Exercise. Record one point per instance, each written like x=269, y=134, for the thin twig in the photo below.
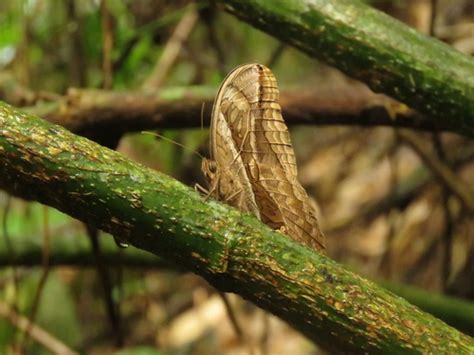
x=232, y=317
x=276, y=55
x=408, y=189
x=448, y=215
x=127, y=49
x=113, y=310
x=241, y=336
x=386, y=259
x=263, y=341
x=37, y=333
x=107, y=45
x=171, y=51
x=77, y=63
x=208, y=15
x=440, y=170
x=45, y=272
x=434, y=14
x=23, y=51
x=8, y=244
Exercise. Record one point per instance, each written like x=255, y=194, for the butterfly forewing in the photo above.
x=255, y=167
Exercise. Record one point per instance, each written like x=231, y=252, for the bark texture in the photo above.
x=366, y=44
x=235, y=252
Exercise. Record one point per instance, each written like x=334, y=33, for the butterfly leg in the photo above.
x=210, y=169
x=212, y=190
x=199, y=188
x=204, y=191
x=233, y=196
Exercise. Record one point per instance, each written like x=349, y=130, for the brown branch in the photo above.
x=87, y=112
x=171, y=51
x=16, y=94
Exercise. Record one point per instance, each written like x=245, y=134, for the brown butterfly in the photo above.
x=252, y=165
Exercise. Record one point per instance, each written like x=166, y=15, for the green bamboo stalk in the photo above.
x=366, y=44
x=235, y=252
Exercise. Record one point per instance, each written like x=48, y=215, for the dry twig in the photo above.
x=440, y=170
x=107, y=45
x=45, y=271
x=171, y=51
x=37, y=333
x=88, y=112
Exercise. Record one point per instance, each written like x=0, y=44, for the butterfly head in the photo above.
x=209, y=168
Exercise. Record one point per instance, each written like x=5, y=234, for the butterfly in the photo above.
x=252, y=165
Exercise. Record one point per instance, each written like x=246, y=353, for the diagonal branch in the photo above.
x=235, y=252
x=441, y=171
x=366, y=44
x=171, y=51
x=407, y=190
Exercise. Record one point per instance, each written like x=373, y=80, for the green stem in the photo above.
x=235, y=252
x=369, y=45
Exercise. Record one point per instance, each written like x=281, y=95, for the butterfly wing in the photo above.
x=252, y=148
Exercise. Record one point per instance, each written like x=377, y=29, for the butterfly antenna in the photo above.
x=202, y=115
x=174, y=142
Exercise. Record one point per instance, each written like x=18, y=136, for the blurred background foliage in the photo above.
x=384, y=214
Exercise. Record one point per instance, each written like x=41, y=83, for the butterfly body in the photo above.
x=252, y=165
